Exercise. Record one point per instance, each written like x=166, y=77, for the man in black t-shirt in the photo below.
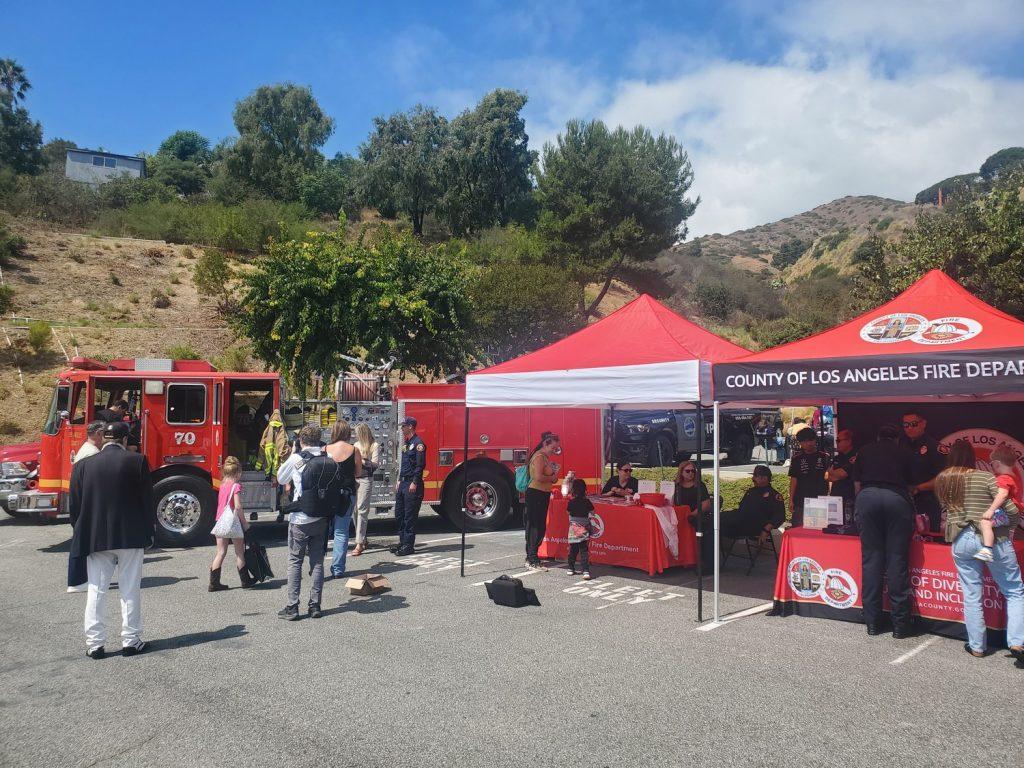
x=807, y=471
x=623, y=484
x=841, y=473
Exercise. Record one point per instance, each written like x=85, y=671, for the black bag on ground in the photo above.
x=257, y=562
x=321, y=486
x=505, y=590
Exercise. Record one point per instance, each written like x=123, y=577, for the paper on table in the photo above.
x=835, y=509
x=815, y=513
x=647, y=486
x=668, y=489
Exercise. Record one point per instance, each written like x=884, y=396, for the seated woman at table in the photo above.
x=761, y=509
x=691, y=492
x=623, y=485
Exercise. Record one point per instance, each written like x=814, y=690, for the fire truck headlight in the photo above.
x=14, y=469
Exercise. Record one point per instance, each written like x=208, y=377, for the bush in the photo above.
x=182, y=352
x=233, y=359
x=39, y=336
x=884, y=223
x=54, y=198
x=11, y=245
x=6, y=298
x=160, y=299
x=789, y=252
x=114, y=279
x=715, y=299
x=212, y=276
x=124, y=191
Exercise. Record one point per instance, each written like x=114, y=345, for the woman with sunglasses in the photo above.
x=543, y=473
x=623, y=484
x=689, y=491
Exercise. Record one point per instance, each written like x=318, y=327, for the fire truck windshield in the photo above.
x=57, y=405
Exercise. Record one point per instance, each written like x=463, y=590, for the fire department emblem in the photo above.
x=804, y=576
x=984, y=441
x=597, y=526
x=948, y=330
x=838, y=588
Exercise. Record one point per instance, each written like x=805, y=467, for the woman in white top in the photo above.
x=369, y=449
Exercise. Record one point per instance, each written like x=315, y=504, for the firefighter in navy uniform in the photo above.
x=761, y=509
x=409, y=496
x=841, y=473
x=925, y=464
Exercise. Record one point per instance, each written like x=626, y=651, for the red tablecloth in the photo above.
x=820, y=575
x=629, y=536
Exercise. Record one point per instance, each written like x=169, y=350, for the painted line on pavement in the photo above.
x=482, y=533
x=914, y=651
x=729, y=618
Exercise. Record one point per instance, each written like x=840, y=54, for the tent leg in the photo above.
x=465, y=491
x=700, y=517
x=611, y=444
x=714, y=506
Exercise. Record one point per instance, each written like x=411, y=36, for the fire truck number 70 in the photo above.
x=188, y=438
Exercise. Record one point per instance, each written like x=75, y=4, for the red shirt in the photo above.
x=1009, y=484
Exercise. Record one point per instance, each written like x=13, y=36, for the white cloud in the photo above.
x=771, y=141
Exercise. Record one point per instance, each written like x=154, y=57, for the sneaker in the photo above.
x=571, y=571
x=96, y=653
x=289, y=613
x=587, y=576
x=79, y=588
x=314, y=611
x=984, y=554
x=134, y=650
x=539, y=565
x=393, y=549
x=405, y=551
x=253, y=517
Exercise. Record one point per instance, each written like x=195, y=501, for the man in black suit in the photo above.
x=111, y=507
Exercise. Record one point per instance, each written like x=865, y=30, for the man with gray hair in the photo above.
x=93, y=441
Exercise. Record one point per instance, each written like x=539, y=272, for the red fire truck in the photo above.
x=187, y=417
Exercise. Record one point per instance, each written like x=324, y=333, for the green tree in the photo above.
x=308, y=302
x=212, y=276
x=187, y=146
x=402, y=161
x=790, y=252
x=715, y=299
x=962, y=187
x=979, y=243
x=1003, y=161
x=20, y=139
x=332, y=187
x=184, y=176
x=280, y=131
x=55, y=154
x=485, y=166
x=14, y=85
x=124, y=191
x=612, y=198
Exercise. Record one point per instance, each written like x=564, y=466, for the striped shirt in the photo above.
x=979, y=491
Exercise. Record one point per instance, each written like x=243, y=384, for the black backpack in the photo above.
x=321, y=486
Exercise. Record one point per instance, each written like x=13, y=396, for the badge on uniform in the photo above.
x=923, y=450
x=419, y=446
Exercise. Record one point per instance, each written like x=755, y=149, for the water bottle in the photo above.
x=567, y=483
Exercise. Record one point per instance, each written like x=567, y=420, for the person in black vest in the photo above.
x=925, y=464
x=761, y=509
x=409, y=497
x=316, y=499
x=885, y=516
x=113, y=517
x=807, y=471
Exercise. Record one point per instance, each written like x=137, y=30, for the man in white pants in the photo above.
x=111, y=507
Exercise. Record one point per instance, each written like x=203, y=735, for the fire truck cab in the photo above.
x=184, y=415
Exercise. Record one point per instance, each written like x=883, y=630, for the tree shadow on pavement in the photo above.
x=370, y=604
x=230, y=632
x=164, y=581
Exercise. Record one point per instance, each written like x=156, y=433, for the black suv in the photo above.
x=662, y=438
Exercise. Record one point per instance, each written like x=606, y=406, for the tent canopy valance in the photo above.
x=933, y=340
x=641, y=355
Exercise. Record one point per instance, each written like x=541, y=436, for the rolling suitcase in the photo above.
x=505, y=590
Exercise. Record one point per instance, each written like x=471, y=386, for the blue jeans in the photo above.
x=1006, y=574
x=342, y=523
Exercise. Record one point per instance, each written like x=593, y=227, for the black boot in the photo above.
x=247, y=580
x=215, y=585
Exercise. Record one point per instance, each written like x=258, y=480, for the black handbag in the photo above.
x=257, y=562
x=510, y=592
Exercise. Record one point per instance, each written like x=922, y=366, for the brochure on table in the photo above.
x=823, y=511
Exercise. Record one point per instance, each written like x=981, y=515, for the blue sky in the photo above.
x=782, y=105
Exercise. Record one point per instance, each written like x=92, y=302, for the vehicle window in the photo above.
x=58, y=404
x=186, y=403
x=77, y=408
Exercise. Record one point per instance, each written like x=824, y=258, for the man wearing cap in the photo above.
x=409, y=496
x=925, y=464
x=111, y=509
x=761, y=509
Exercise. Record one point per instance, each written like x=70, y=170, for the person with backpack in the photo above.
x=316, y=499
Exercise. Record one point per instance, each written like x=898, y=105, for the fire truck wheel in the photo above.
x=184, y=510
x=489, y=499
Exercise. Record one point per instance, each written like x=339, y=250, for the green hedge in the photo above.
x=731, y=490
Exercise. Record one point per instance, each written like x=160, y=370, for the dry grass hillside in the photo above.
x=105, y=297
x=833, y=231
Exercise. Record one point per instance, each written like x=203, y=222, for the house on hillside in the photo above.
x=95, y=167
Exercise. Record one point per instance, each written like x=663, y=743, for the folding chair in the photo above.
x=754, y=547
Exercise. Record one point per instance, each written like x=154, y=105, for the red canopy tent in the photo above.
x=933, y=340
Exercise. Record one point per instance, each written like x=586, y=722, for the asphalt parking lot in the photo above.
x=614, y=672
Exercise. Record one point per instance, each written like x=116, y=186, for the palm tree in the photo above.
x=13, y=83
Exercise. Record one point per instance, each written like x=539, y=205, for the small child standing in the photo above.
x=1002, y=459
x=229, y=503
x=579, y=528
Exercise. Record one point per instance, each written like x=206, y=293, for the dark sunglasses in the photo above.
x=911, y=424
x=627, y=469
x=688, y=471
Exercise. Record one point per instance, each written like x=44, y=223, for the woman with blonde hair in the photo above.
x=369, y=452
x=968, y=494
x=350, y=466
x=229, y=502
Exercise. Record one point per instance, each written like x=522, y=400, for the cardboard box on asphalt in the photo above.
x=368, y=584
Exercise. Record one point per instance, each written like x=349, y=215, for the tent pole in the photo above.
x=700, y=515
x=465, y=489
x=611, y=446
x=714, y=505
